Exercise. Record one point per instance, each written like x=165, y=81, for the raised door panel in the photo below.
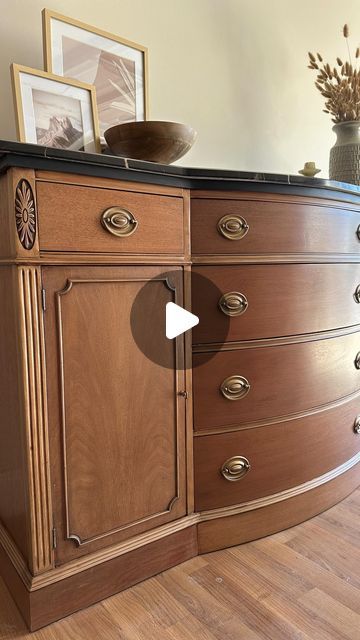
x=248, y=385
x=117, y=421
x=273, y=300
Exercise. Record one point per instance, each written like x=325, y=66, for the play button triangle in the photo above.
x=178, y=320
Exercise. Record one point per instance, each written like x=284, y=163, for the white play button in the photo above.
x=178, y=320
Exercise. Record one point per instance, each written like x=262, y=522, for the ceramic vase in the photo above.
x=345, y=154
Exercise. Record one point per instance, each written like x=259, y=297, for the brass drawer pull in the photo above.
x=235, y=387
x=235, y=468
x=357, y=361
x=233, y=303
x=120, y=222
x=233, y=227
x=357, y=294
x=357, y=425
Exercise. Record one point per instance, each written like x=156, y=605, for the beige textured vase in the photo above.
x=345, y=154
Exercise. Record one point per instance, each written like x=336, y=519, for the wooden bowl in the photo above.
x=151, y=140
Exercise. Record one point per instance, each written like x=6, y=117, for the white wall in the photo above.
x=234, y=69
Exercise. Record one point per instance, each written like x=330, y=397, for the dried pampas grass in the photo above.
x=340, y=87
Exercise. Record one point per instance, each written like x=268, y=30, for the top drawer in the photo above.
x=248, y=227
x=91, y=219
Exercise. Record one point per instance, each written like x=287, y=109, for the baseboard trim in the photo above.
x=87, y=562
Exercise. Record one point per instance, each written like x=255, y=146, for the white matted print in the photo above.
x=116, y=67
x=54, y=112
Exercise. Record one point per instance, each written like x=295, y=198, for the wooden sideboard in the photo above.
x=113, y=467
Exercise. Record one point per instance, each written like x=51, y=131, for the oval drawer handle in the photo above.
x=357, y=361
x=235, y=468
x=233, y=303
x=358, y=232
x=232, y=227
x=235, y=387
x=357, y=294
x=357, y=425
x=118, y=221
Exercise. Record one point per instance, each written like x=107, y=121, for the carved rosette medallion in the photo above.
x=25, y=215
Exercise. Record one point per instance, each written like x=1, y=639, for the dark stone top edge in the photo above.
x=103, y=165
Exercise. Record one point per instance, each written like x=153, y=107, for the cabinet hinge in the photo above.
x=54, y=538
x=43, y=299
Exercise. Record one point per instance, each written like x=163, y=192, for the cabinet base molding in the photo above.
x=105, y=555
x=45, y=598
x=55, y=601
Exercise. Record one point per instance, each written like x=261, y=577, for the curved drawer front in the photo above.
x=76, y=218
x=274, y=300
x=280, y=456
x=222, y=226
x=282, y=380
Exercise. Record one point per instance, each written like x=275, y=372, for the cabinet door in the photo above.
x=117, y=419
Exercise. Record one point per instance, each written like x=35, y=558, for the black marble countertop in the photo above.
x=102, y=165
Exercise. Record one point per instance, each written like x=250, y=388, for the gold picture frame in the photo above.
x=97, y=55
x=26, y=122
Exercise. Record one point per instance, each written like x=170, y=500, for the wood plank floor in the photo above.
x=301, y=584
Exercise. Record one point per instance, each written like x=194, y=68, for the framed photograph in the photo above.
x=117, y=67
x=55, y=112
